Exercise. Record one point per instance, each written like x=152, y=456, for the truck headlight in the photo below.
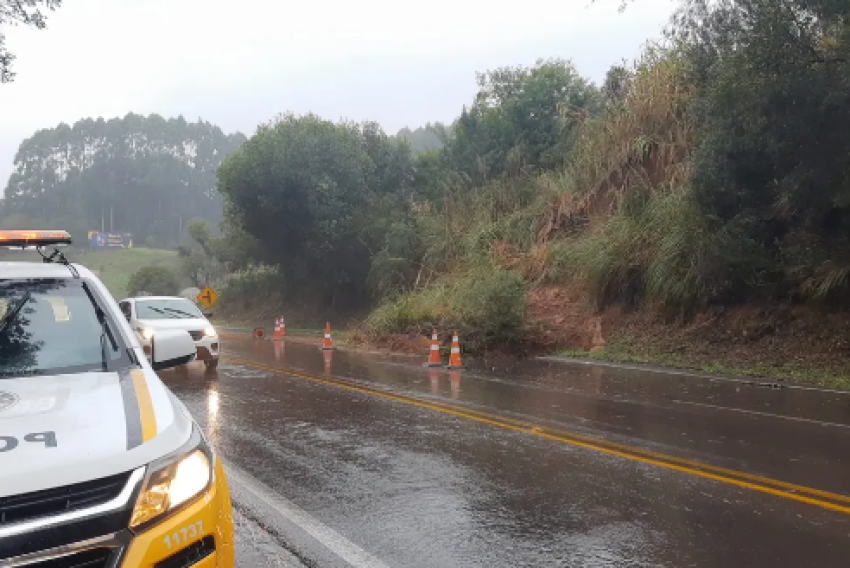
x=210, y=331
x=174, y=481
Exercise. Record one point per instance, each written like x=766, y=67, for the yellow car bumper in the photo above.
x=184, y=533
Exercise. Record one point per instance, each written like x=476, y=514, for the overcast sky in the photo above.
x=239, y=63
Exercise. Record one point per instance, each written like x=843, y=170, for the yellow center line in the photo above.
x=762, y=484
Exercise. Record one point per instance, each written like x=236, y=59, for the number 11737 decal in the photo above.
x=184, y=535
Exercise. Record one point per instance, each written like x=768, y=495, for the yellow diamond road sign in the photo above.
x=207, y=297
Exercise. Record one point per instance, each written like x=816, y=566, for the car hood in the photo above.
x=186, y=323
x=64, y=429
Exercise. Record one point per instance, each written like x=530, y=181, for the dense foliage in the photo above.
x=424, y=138
x=321, y=199
x=713, y=170
x=772, y=167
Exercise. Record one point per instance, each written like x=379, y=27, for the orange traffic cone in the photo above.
x=454, y=359
x=434, y=356
x=282, y=326
x=278, y=330
x=328, y=342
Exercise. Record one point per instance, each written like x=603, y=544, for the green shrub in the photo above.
x=155, y=280
x=486, y=306
x=660, y=249
x=250, y=287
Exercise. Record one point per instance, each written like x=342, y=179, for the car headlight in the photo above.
x=174, y=482
x=145, y=332
x=210, y=331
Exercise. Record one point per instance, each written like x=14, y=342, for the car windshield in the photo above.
x=50, y=326
x=167, y=309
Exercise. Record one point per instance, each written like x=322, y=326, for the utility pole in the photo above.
x=111, y=227
x=102, y=220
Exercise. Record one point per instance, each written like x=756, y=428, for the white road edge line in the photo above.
x=328, y=537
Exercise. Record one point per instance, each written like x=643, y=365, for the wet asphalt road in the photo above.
x=364, y=461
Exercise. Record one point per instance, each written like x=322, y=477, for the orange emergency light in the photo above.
x=34, y=238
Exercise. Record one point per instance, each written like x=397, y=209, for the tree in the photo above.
x=206, y=260
x=147, y=175
x=197, y=259
x=424, y=138
x=155, y=280
x=616, y=86
x=771, y=165
x=318, y=197
x=513, y=125
x=20, y=12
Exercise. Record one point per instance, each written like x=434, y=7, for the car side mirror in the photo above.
x=209, y=316
x=171, y=348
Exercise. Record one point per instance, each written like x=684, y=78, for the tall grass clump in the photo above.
x=485, y=305
x=252, y=287
x=626, y=222
x=497, y=222
x=640, y=143
x=661, y=250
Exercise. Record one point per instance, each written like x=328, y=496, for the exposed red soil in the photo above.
x=745, y=337
x=560, y=317
x=801, y=337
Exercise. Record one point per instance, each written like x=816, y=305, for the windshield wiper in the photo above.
x=181, y=312
x=7, y=321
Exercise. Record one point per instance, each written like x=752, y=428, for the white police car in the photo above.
x=100, y=464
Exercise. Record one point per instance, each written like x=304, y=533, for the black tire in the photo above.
x=211, y=364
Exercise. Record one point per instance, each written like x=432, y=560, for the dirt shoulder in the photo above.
x=800, y=345
x=793, y=344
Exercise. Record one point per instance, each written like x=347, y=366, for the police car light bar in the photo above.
x=34, y=238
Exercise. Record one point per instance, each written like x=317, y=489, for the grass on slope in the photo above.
x=116, y=266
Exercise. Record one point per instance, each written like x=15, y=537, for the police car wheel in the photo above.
x=211, y=363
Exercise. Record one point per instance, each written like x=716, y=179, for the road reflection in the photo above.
x=454, y=378
x=328, y=356
x=421, y=489
x=280, y=352
x=434, y=377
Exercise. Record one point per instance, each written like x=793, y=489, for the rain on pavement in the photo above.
x=351, y=459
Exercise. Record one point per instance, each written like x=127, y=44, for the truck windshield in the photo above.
x=51, y=326
x=166, y=309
